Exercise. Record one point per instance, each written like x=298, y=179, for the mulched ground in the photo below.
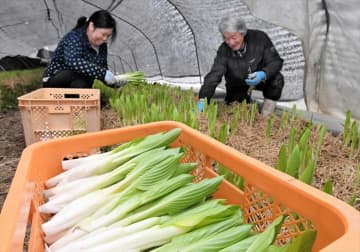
x=333, y=164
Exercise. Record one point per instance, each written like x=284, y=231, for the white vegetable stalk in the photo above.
x=53, y=238
x=140, y=240
x=96, y=220
x=75, y=211
x=117, y=158
x=73, y=163
x=84, y=170
x=138, y=165
x=84, y=185
x=57, y=203
x=206, y=213
x=105, y=234
x=89, y=203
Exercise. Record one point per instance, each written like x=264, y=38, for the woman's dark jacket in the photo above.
x=75, y=53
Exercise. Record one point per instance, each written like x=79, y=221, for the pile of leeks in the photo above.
x=140, y=197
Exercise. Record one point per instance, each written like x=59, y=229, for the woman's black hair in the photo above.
x=100, y=19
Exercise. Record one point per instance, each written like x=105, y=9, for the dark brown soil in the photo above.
x=333, y=164
x=12, y=143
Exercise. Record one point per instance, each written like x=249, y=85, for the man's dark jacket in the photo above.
x=260, y=54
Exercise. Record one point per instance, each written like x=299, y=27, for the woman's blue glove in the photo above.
x=255, y=78
x=200, y=105
x=109, y=77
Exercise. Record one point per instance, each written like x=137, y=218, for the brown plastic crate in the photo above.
x=267, y=194
x=49, y=113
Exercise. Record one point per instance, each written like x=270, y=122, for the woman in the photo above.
x=81, y=56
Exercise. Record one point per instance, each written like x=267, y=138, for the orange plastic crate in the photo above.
x=267, y=193
x=48, y=113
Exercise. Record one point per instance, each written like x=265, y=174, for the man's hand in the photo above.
x=255, y=78
x=200, y=105
x=109, y=77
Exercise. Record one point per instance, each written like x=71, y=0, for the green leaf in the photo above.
x=282, y=159
x=291, y=139
x=308, y=156
x=308, y=173
x=242, y=245
x=176, y=201
x=275, y=248
x=354, y=138
x=269, y=125
x=293, y=163
x=328, y=187
x=304, y=139
x=158, y=173
x=212, y=116
x=184, y=168
x=219, y=240
x=179, y=242
x=293, y=113
x=168, y=186
x=302, y=243
x=235, y=120
x=209, y=212
x=267, y=237
x=284, y=119
x=223, y=131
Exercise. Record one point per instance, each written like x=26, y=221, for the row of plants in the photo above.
x=142, y=103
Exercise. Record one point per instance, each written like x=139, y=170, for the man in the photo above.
x=248, y=60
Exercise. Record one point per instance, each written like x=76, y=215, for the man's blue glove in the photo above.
x=255, y=78
x=109, y=77
x=200, y=105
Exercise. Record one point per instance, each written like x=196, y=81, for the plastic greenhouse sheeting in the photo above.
x=177, y=40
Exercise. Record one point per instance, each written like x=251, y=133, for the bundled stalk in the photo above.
x=133, y=78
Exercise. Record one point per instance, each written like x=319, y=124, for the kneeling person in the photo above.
x=248, y=60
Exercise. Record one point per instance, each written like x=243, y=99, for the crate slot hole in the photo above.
x=72, y=96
